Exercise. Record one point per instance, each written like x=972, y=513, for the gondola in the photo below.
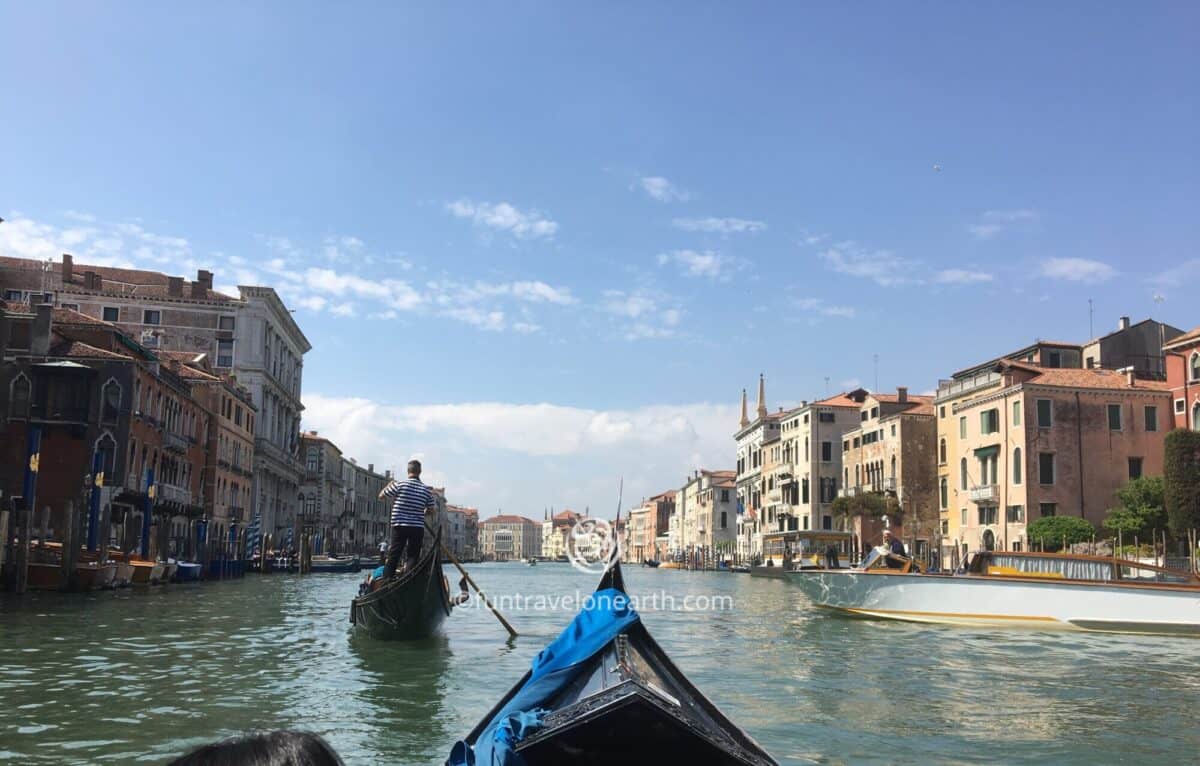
x=605, y=692
x=409, y=606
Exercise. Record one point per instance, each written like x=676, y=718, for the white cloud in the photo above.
x=995, y=221
x=540, y=292
x=477, y=448
x=961, y=277
x=643, y=314
x=340, y=248
x=661, y=189
x=342, y=310
x=818, y=306
x=1077, y=270
x=708, y=263
x=1177, y=276
x=719, y=225
x=504, y=217
x=880, y=266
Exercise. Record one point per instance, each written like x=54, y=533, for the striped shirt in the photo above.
x=409, y=499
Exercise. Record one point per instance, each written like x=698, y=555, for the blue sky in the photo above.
x=545, y=245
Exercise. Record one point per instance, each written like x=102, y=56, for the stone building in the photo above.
x=707, y=510
x=749, y=438
x=509, y=538
x=892, y=452
x=323, y=491
x=460, y=530
x=1051, y=442
x=102, y=410
x=1182, y=360
x=554, y=530
x=252, y=336
x=370, y=517
x=797, y=517
x=1139, y=346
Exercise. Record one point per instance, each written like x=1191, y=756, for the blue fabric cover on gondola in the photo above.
x=605, y=615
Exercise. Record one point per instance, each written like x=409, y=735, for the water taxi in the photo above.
x=1043, y=590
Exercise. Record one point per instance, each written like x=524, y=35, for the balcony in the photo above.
x=775, y=496
x=169, y=493
x=987, y=494
x=889, y=485
x=175, y=442
x=236, y=512
x=849, y=491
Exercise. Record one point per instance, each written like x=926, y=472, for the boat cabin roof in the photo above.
x=1075, y=566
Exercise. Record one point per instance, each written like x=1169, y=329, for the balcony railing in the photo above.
x=849, y=491
x=775, y=496
x=169, y=493
x=988, y=493
x=175, y=442
x=889, y=484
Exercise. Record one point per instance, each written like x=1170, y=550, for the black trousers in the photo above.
x=404, y=539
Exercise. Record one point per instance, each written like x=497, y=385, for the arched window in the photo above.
x=110, y=401
x=945, y=494
x=18, y=397
x=893, y=466
x=942, y=452
x=1017, y=466
x=1196, y=366
x=962, y=474
x=106, y=448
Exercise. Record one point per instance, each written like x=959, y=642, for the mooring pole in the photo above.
x=147, y=509
x=94, y=500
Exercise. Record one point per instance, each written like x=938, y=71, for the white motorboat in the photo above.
x=1043, y=590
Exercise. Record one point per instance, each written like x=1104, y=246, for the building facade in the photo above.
x=1182, y=361
x=1052, y=442
x=892, y=452
x=749, y=438
x=509, y=537
x=323, y=493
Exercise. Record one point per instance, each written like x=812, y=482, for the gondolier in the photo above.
x=410, y=500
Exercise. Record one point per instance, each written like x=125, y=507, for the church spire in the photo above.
x=762, y=398
x=745, y=421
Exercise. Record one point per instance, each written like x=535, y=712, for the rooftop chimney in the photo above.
x=1123, y=324
x=39, y=345
x=902, y=394
x=68, y=266
x=97, y=282
x=175, y=287
x=1131, y=376
x=205, y=278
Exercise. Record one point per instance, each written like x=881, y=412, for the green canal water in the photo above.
x=141, y=676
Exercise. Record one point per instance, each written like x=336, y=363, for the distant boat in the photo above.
x=1042, y=590
x=334, y=564
x=604, y=691
x=531, y=561
x=187, y=571
x=652, y=563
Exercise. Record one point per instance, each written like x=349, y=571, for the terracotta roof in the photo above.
x=1098, y=379
x=187, y=357
x=923, y=408
x=74, y=349
x=192, y=373
x=144, y=282
x=1188, y=337
x=508, y=519
x=838, y=400
x=895, y=398
x=566, y=515
x=724, y=482
x=723, y=474
x=71, y=316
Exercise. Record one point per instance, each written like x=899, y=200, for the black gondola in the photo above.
x=409, y=606
x=627, y=703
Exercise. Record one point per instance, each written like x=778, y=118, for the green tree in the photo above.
x=862, y=504
x=1181, y=480
x=1141, y=511
x=1052, y=530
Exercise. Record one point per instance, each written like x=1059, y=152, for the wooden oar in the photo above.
x=511, y=631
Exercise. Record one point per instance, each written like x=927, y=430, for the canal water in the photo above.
x=141, y=676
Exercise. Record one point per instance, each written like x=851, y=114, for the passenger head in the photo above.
x=277, y=748
x=887, y=534
x=414, y=468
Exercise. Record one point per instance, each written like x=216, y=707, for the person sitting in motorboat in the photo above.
x=895, y=548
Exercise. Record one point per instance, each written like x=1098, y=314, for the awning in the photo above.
x=983, y=453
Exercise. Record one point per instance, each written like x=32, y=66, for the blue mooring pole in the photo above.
x=94, y=500
x=146, y=510
x=33, y=457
